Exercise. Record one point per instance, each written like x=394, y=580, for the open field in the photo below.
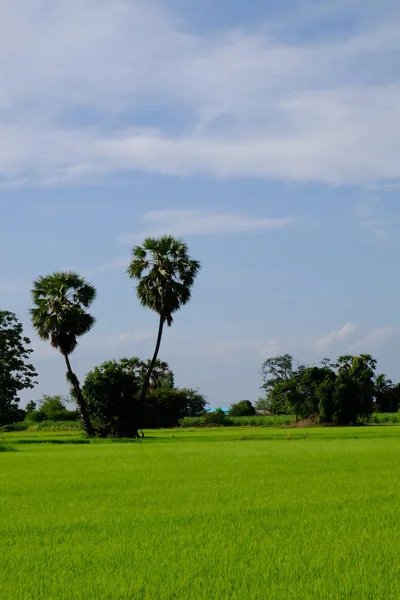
x=206, y=514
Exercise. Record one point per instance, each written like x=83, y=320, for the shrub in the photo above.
x=244, y=408
x=217, y=417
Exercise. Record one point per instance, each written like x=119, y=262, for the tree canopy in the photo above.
x=16, y=372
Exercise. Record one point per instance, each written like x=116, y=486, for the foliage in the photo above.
x=354, y=389
x=244, y=408
x=51, y=408
x=216, y=417
x=387, y=394
x=340, y=393
x=166, y=407
x=112, y=390
x=60, y=315
x=111, y=393
x=16, y=373
x=165, y=275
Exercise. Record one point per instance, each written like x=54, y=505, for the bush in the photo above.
x=217, y=417
x=244, y=408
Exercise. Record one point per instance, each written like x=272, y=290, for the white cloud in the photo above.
x=374, y=339
x=335, y=337
x=265, y=103
x=200, y=222
x=131, y=337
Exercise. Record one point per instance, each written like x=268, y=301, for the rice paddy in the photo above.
x=226, y=513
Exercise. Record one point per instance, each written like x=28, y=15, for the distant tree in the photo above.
x=277, y=369
x=166, y=407
x=30, y=407
x=111, y=393
x=165, y=275
x=354, y=389
x=262, y=405
x=16, y=372
x=54, y=408
x=216, y=417
x=386, y=394
x=60, y=315
x=244, y=408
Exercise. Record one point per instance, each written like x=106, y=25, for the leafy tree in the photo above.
x=165, y=275
x=354, y=389
x=166, y=407
x=195, y=403
x=16, y=373
x=30, y=407
x=60, y=315
x=262, y=404
x=112, y=390
x=386, y=394
x=244, y=408
x=54, y=409
x=276, y=369
x=111, y=393
x=217, y=417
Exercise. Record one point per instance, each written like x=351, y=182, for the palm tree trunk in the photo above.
x=153, y=361
x=72, y=378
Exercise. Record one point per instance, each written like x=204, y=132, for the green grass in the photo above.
x=228, y=513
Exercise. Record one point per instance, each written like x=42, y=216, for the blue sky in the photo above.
x=266, y=134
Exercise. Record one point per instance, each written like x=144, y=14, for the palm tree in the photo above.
x=59, y=315
x=165, y=275
x=383, y=392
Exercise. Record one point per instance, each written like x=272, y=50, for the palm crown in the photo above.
x=59, y=315
x=165, y=273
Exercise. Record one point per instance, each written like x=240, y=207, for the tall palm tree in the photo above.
x=165, y=275
x=59, y=315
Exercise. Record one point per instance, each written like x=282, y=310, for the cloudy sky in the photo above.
x=265, y=133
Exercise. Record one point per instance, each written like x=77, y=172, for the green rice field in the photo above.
x=224, y=513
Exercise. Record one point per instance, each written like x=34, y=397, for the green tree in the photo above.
x=60, y=315
x=243, y=408
x=165, y=275
x=276, y=369
x=111, y=393
x=54, y=408
x=353, y=394
x=166, y=407
x=16, y=372
x=30, y=407
x=385, y=394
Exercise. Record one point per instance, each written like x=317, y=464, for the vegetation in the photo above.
x=300, y=518
x=16, y=372
x=49, y=408
x=111, y=393
x=244, y=408
x=339, y=393
x=59, y=315
x=165, y=275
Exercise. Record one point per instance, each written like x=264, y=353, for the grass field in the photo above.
x=204, y=514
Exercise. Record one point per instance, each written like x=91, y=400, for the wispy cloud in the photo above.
x=201, y=222
x=335, y=337
x=373, y=339
x=263, y=103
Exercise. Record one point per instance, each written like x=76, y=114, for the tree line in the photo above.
x=339, y=392
x=122, y=397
